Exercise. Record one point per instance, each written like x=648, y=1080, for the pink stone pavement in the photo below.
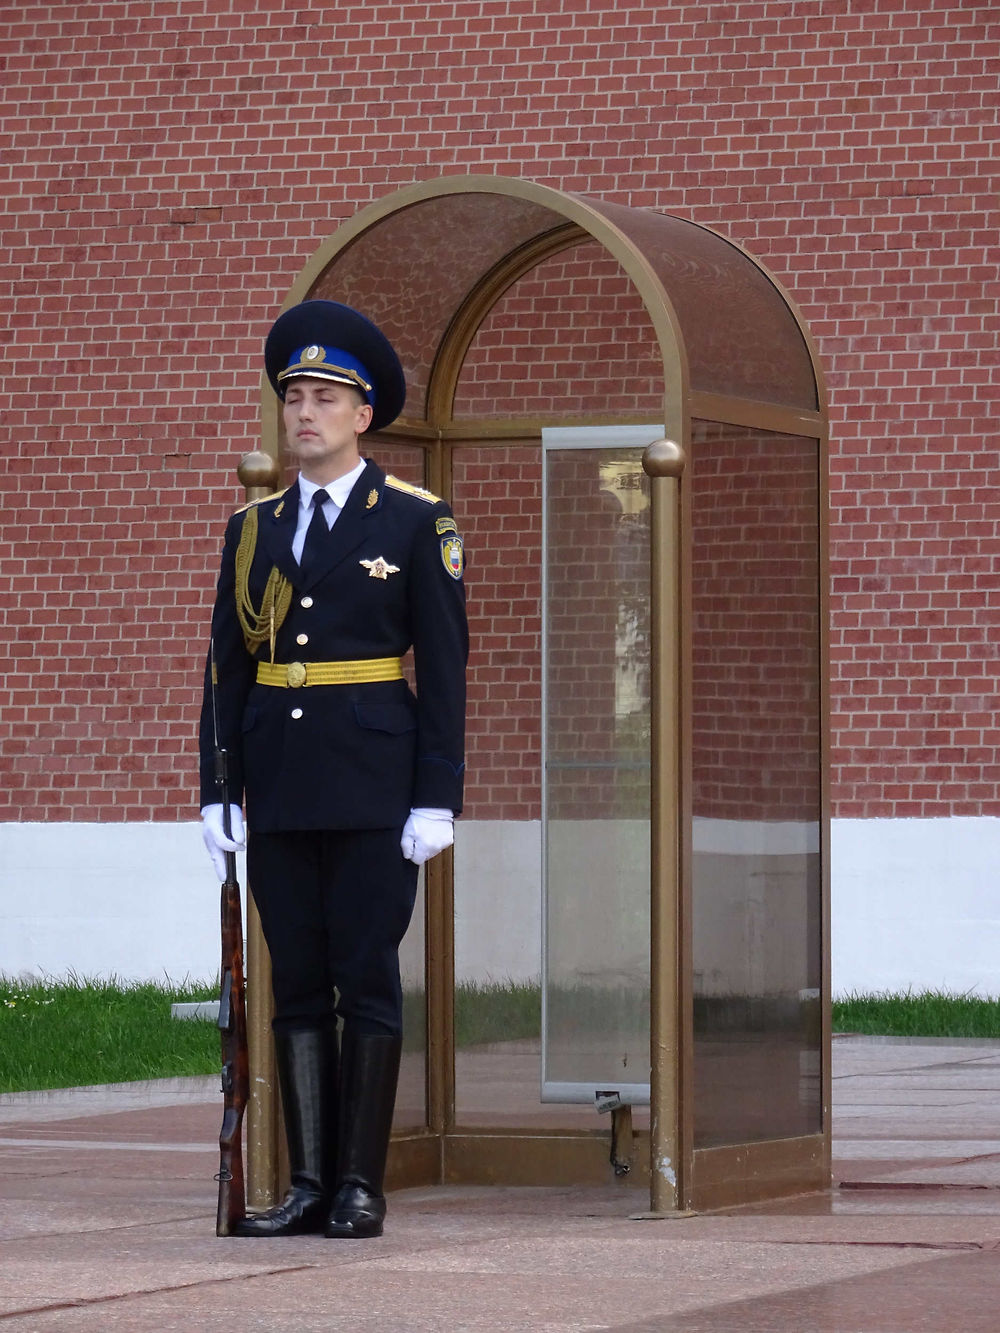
x=107, y=1209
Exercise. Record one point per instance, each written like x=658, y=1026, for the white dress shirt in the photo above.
x=338, y=491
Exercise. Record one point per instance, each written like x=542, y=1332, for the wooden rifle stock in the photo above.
x=233, y=1027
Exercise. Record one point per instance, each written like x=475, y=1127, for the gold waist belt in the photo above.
x=291, y=675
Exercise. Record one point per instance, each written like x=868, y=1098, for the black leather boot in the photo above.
x=369, y=1073
x=307, y=1075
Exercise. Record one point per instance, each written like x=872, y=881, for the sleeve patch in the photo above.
x=453, y=556
x=442, y=525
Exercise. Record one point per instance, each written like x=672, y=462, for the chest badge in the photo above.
x=379, y=568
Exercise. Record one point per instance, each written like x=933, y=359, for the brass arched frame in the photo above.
x=679, y=1176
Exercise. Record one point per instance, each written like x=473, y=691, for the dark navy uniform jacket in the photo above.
x=345, y=756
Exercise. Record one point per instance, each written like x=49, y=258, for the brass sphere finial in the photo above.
x=258, y=473
x=664, y=458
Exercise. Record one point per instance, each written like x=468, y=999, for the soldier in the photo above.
x=350, y=780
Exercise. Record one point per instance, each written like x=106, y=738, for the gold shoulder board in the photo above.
x=428, y=496
x=263, y=499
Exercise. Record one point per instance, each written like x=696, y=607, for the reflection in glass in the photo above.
x=497, y=503
x=411, y=1097
x=407, y=462
x=756, y=888
x=596, y=765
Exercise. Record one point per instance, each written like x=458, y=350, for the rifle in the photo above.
x=232, y=1017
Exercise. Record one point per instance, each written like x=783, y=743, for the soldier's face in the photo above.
x=322, y=423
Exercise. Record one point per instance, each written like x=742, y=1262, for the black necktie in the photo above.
x=317, y=534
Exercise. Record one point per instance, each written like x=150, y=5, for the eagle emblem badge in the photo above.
x=453, y=556
x=379, y=568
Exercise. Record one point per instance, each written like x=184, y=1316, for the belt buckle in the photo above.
x=295, y=674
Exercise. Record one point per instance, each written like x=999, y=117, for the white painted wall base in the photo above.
x=915, y=902
x=498, y=900
x=137, y=901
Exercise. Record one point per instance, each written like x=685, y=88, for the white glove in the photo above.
x=215, y=835
x=426, y=833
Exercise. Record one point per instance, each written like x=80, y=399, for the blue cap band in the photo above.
x=329, y=363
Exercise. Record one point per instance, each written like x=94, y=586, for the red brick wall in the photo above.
x=497, y=496
x=755, y=625
x=169, y=167
x=572, y=337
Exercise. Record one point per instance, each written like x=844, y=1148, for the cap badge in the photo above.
x=379, y=568
x=314, y=353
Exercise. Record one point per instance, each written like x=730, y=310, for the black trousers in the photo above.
x=334, y=906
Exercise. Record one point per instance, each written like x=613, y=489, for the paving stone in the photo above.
x=107, y=1207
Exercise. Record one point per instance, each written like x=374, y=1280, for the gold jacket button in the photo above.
x=302, y=638
x=306, y=602
x=296, y=712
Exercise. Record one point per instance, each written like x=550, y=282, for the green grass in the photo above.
x=62, y=1034
x=58, y=1034
x=922, y=1014
x=496, y=1011
x=74, y=1033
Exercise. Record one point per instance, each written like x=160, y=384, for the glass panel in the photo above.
x=756, y=784
x=411, y=1097
x=596, y=764
x=411, y=271
x=740, y=335
x=498, y=948
x=407, y=462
